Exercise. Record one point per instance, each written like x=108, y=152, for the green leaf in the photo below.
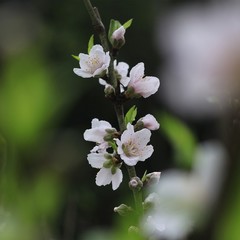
x=130, y=115
x=128, y=23
x=90, y=43
x=76, y=57
x=181, y=138
x=144, y=177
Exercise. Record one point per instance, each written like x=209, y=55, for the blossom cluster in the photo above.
x=113, y=147
x=96, y=63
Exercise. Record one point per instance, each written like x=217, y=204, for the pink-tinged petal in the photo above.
x=96, y=160
x=142, y=137
x=95, y=48
x=100, y=71
x=94, y=135
x=97, y=132
x=82, y=73
x=137, y=72
x=154, y=82
x=119, y=149
x=147, y=86
x=100, y=123
x=128, y=133
x=146, y=153
x=119, y=33
x=84, y=61
x=104, y=177
x=130, y=161
x=117, y=179
x=122, y=69
x=125, y=81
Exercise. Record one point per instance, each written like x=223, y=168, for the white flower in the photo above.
x=93, y=65
x=150, y=122
x=132, y=147
x=119, y=33
x=143, y=85
x=105, y=175
x=98, y=131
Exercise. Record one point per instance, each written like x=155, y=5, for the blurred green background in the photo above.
x=47, y=188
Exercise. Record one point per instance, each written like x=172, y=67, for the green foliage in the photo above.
x=128, y=23
x=27, y=206
x=228, y=227
x=90, y=43
x=131, y=115
x=76, y=57
x=27, y=97
x=180, y=137
x=144, y=177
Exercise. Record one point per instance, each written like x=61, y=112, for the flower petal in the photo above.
x=96, y=160
x=104, y=177
x=146, y=153
x=117, y=179
x=130, y=161
x=137, y=72
x=82, y=73
x=142, y=137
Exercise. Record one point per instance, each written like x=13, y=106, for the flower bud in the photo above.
x=123, y=210
x=118, y=39
x=150, y=122
x=135, y=184
x=152, y=178
x=111, y=133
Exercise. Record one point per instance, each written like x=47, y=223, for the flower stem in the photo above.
x=99, y=28
x=137, y=194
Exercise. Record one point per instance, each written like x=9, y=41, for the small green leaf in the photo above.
x=128, y=23
x=90, y=43
x=144, y=177
x=76, y=57
x=130, y=115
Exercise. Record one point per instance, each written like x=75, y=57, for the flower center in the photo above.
x=130, y=149
x=94, y=62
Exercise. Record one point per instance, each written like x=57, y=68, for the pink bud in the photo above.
x=150, y=122
x=119, y=33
